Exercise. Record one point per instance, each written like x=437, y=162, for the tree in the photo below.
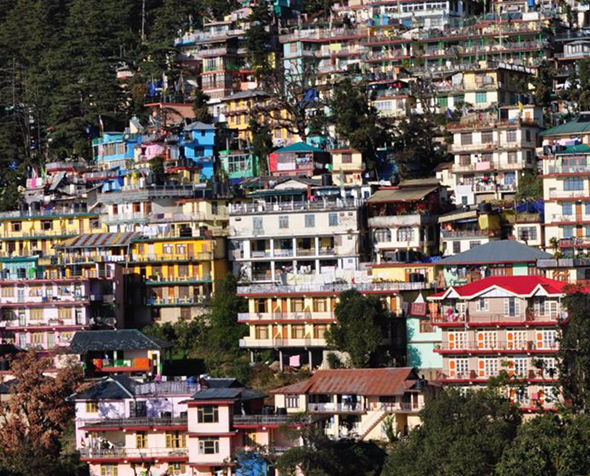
x=530, y=187
x=261, y=144
x=319, y=455
x=548, y=445
x=359, y=327
x=574, y=352
x=461, y=434
x=158, y=170
x=258, y=39
x=35, y=416
x=416, y=148
x=357, y=121
x=201, y=107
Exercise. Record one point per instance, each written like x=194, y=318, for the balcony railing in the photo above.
x=268, y=419
x=116, y=453
x=568, y=194
x=262, y=207
x=137, y=421
x=286, y=316
x=507, y=346
x=176, y=301
x=335, y=408
x=177, y=279
x=203, y=256
x=330, y=288
x=138, y=364
x=568, y=169
x=521, y=318
x=467, y=233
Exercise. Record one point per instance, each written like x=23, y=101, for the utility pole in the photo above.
x=143, y=20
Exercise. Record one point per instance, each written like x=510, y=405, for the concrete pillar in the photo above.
x=272, y=247
x=317, y=245
x=294, y=246
x=281, y=359
x=310, y=360
x=251, y=356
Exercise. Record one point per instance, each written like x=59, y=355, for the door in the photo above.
x=50, y=340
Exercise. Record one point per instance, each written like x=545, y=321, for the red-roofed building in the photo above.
x=500, y=323
x=355, y=402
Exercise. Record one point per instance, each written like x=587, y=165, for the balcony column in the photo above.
x=317, y=245
x=281, y=359
x=294, y=247
x=272, y=248
x=310, y=359
x=272, y=271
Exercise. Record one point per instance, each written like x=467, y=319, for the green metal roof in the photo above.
x=299, y=147
x=575, y=149
x=573, y=127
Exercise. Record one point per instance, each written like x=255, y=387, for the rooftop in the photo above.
x=580, y=124
x=298, y=147
x=116, y=387
x=100, y=240
x=497, y=252
x=401, y=194
x=123, y=339
x=368, y=382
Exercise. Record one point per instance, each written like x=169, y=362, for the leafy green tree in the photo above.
x=319, y=455
x=462, y=434
x=261, y=144
x=359, y=329
x=259, y=39
x=574, y=352
x=201, y=107
x=357, y=121
x=158, y=170
x=548, y=445
x=530, y=187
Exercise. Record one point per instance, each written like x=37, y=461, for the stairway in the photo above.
x=376, y=418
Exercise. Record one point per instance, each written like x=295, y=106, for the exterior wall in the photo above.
x=421, y=345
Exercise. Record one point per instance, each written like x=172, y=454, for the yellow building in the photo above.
x=37, y=233
x=176, y=276
x=347, y=167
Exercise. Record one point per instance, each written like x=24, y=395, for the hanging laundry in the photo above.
x=295, y=361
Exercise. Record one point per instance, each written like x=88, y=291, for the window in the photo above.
x=37, y=338
x=333, y=219
x=520, y=366
x=283, y=222
x=405, y=233
x=567, y=209
x=382, y=235
x=208, y=446
x=509, y=178
x=548, y=339
x=568, y=232
x=442, y=101
x=347, y=158
x=587, y=208
x=175, y=440
x=297, y=305
x=320, y=305
x=91, y=407
x=456, y=247
x=516, y=339
x=573, y=184
x=141, y=439
x=482, y=305
x=298, y=331
x=511, y=136
x=7, y=291
x=177, y=468
x=481, y=97
x=319, y=331
x=466, y=138
x=490, y=367
x=527, y=135
x=512, y=157
x=464, y=160
x=36, y=314
x=459, y=100
x=292, y=401
x=208, y=414
x=261, y=332
x=487, y=340
x=426, y=326
x=459, y=368
x=46, y=225
x=474, y=244
x=109, y=470
x=309, y=221
x=95, y=223
x=64, y=313
x=17, y=226
x=168, y=249
x=511, y=306
x=487, y=137
x=180, y=249
x=527, y=233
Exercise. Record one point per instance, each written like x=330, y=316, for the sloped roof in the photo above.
x=199, y=126
x=578, y=125
x=368, y=382
x=518, y=285
x=116, y=387
x=401, y=194
x=100, y=240
x=298, y=147
x=502, y=251
x=123, y=339
x=250, y=93
x=421, y=182
x=227, y=394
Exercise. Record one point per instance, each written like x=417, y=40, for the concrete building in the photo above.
x=502, y=323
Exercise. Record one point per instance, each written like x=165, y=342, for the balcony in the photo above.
x=276, y=343
x=141, y=364
x=176, y=301
x=285, y=316
x=568, y=169
x=137, y=422
x=401, y=220
x=565, y=218
x=330, y=288
x=525, y=319
x=568, y=194
x=123, y=218
x=163, y=280
x=133, y=453
x=319, y=205
x=203, y=256
x=499, y=347
x=457, y=234
x=335, y=408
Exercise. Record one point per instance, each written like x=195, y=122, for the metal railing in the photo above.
x=105, y=453
x=476, y=346
x=335, y=288
x=171, y=301
x=261, y=207
x=286, y=316
x=98, y=423
x=336, y=408
x=177, y=279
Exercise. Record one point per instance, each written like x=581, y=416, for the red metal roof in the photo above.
x=368, y=382
x=518, y=285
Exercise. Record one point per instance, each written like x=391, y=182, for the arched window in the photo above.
x=405, y=233
x=382, y=235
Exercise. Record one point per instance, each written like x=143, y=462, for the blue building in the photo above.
x=197, y=143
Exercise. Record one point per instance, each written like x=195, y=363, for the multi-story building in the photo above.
x=186, y=427
x=294, y=228
x=403, y=219
x=566, y=172
x=239, y=165
x=356, y=402
x=466, y=228
x=292, y=319
x=491, y=155
x=117, y=149
x=299, y=159
x=347, y=167
x=502, y=323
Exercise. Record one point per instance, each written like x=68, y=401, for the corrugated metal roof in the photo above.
x=503, y=251
x=368, y=382
x=100, y=240
x=298, y=147
x=401, y=194
x=573, y=127
x=116, y=387
x=123, y=339
x=227, y=394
